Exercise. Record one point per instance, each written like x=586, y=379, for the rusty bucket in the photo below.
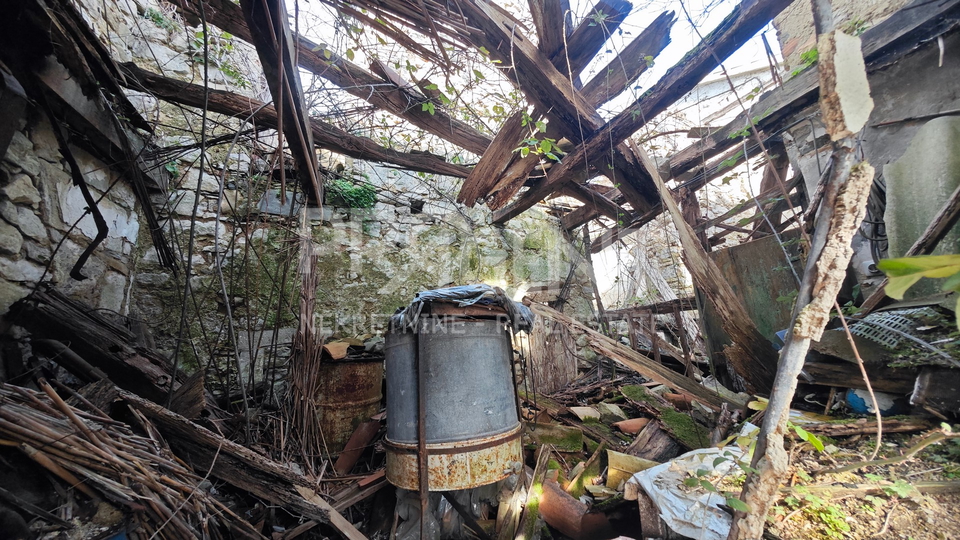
x=349, y=394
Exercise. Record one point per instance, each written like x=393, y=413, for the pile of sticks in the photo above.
x=106, y=461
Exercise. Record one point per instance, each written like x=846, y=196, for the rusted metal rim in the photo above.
x=460, y=447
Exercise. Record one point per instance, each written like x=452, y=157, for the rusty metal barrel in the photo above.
x=348, y=394
x=472, y=428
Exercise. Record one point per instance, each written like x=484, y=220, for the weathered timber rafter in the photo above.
x=603, y=87
x=267, y=20
x=887, y=38
x=500, y=169
x=325, y=135
x=550, y=91
x=353, y=79
x=746, y=20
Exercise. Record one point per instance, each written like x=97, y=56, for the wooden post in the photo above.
x=601, y=315
x=632, y=332
x=654, y=338
x=682, y=334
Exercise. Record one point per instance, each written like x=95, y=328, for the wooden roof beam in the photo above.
x=267, y=20
x=909, y=26
x=590, y=198
x=632, y=61
x=325, y=136
x=746, y=20
x=500, y=167
x=351, y=78
x=549, y=91
x=553, y=23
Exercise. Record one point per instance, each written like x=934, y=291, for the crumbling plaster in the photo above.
x=795, y=24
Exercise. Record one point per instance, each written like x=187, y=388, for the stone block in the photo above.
x=21, y=190
x=152, y=279
x=45, y=143
x=31, y=225
x=20, y=153
x=9, y=294
x=36, y=252
x=113, y=288
x=10, y=239
x=23, y=270
x=8, y=211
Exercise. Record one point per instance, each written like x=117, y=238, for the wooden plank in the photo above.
x=847, y=375
x=267, y=20
x=660, y=308
x=751, y=354
x=903, y=30
x=632, y=61
x=590, y=35
x=325, y=135
x=552, y=360
x=498, y=156
x=570, y=516
x=351, y=78
x=552, y=20
x=746, y=20
x=631, y=359
x=600, y=204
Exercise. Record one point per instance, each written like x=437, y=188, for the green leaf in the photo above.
x=478, y=75
x=717, y=461
x=428, y=106
x=546, y=146
x=708, y=486
x=525, y=151
x=906, y=271
x=809, y=437
x=431, y=87
x=737, y=504
x=691, y=482
x=350, y=54
x=327, y=54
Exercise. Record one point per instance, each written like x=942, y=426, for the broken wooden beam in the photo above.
x=323, y=62
x=660, y=308
x=631, y=359
x=267, y=20
x=898, y=33
x=325, y=135
x=572, y=116
x=861, y=426
x=631, y=62
x=746, y=20
x=751, y=354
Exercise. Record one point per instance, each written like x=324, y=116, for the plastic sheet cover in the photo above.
x=520, y=316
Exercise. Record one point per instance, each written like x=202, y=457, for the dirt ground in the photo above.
x=899, y=511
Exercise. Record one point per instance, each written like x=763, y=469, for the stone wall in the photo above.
x=44, y=226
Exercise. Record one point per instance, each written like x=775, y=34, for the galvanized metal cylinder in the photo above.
x=472, y=429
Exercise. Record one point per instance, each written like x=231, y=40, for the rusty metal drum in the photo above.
x=472, y=429
x=349, y=394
